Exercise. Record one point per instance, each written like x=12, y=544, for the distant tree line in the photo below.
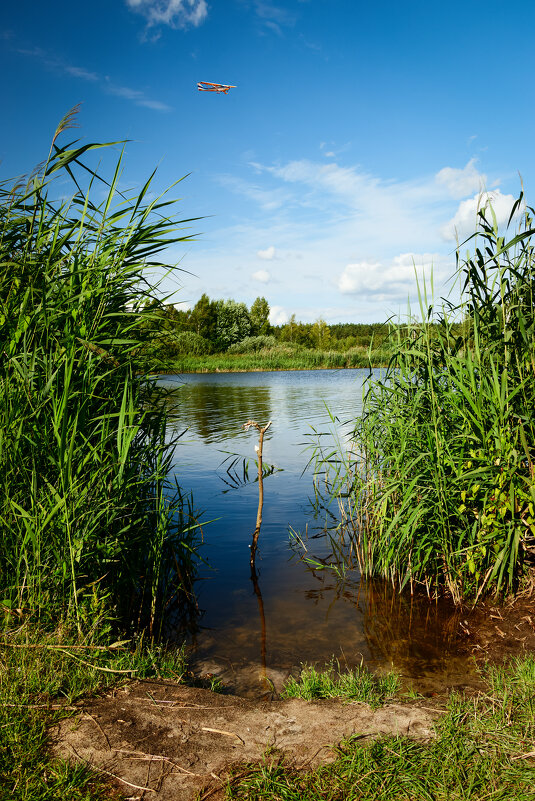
x=217, y=326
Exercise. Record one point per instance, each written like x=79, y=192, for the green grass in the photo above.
x=483, y=751
x=95, y=540
x=356, y=684
x=277, y=358
x=41, y=676
x=439, y=485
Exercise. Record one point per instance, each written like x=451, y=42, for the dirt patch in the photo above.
x=169, y=741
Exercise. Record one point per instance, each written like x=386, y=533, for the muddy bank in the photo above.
x=160, y=739
x=166, y=740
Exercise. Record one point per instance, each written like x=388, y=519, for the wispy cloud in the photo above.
x=330, y=151
x=57, y=64
x=80, y=72
x=345, y=240
x=267, y=199
x=173, y=13
x=273, y=17
x=136, y=96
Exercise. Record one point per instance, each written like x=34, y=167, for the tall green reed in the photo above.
x=438, y=484
x=90, y=525
x=445, y=484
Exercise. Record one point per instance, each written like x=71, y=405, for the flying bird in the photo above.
x=220, y=88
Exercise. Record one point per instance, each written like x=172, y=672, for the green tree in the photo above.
x=187, y=342
x=298, y=333
x=174, y=319
x=320, y=334
x=233, y=323
x=203, y=318
x=288, y=330
x=259, y=317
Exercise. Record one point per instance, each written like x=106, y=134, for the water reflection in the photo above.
x=215, y=413
x=262, y=615
x=290, y=612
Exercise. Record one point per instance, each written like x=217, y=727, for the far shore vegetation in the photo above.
x=227, y=336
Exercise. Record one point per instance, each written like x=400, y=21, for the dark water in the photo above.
x=295, y=613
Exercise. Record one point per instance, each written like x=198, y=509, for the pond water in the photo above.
x=294, y=613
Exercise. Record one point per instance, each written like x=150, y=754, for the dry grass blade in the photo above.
x=226, y=733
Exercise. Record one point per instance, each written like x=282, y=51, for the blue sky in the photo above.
x=354, y=147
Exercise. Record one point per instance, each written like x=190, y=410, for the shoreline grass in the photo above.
x=273, y=360
x=95, y=540
x=353, y=684
x=483, y=751
x=439, y=483
x=43, y=677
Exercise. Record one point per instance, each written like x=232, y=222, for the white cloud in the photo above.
x=353, y=278
x=344, y=181
x=278, y=315
x=80, y=72
x=105, y=84
x=395, y=279
x=267, y=254
x=461, y=182
x=360, y=191
x=136, y=96
x=262, y=275
x=346, y=238
x=274, y=17
x=464, y=222
x=175, y=13
x=267, y=199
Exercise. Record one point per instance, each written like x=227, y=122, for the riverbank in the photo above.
x=100, y=723
x=93, y=721
x=273, y=360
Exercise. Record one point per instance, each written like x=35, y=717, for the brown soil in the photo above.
x=169, y=741
x=163, y=740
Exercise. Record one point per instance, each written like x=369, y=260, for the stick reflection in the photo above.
x=257, y=592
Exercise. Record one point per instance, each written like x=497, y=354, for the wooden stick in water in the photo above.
x=258, y=448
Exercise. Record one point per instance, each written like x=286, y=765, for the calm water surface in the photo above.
x=296, y=613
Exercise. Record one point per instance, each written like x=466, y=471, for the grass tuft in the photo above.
x=92, y=529
x=438, y=485
x=355, y=684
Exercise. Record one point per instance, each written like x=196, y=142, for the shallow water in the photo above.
x=295, y=613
